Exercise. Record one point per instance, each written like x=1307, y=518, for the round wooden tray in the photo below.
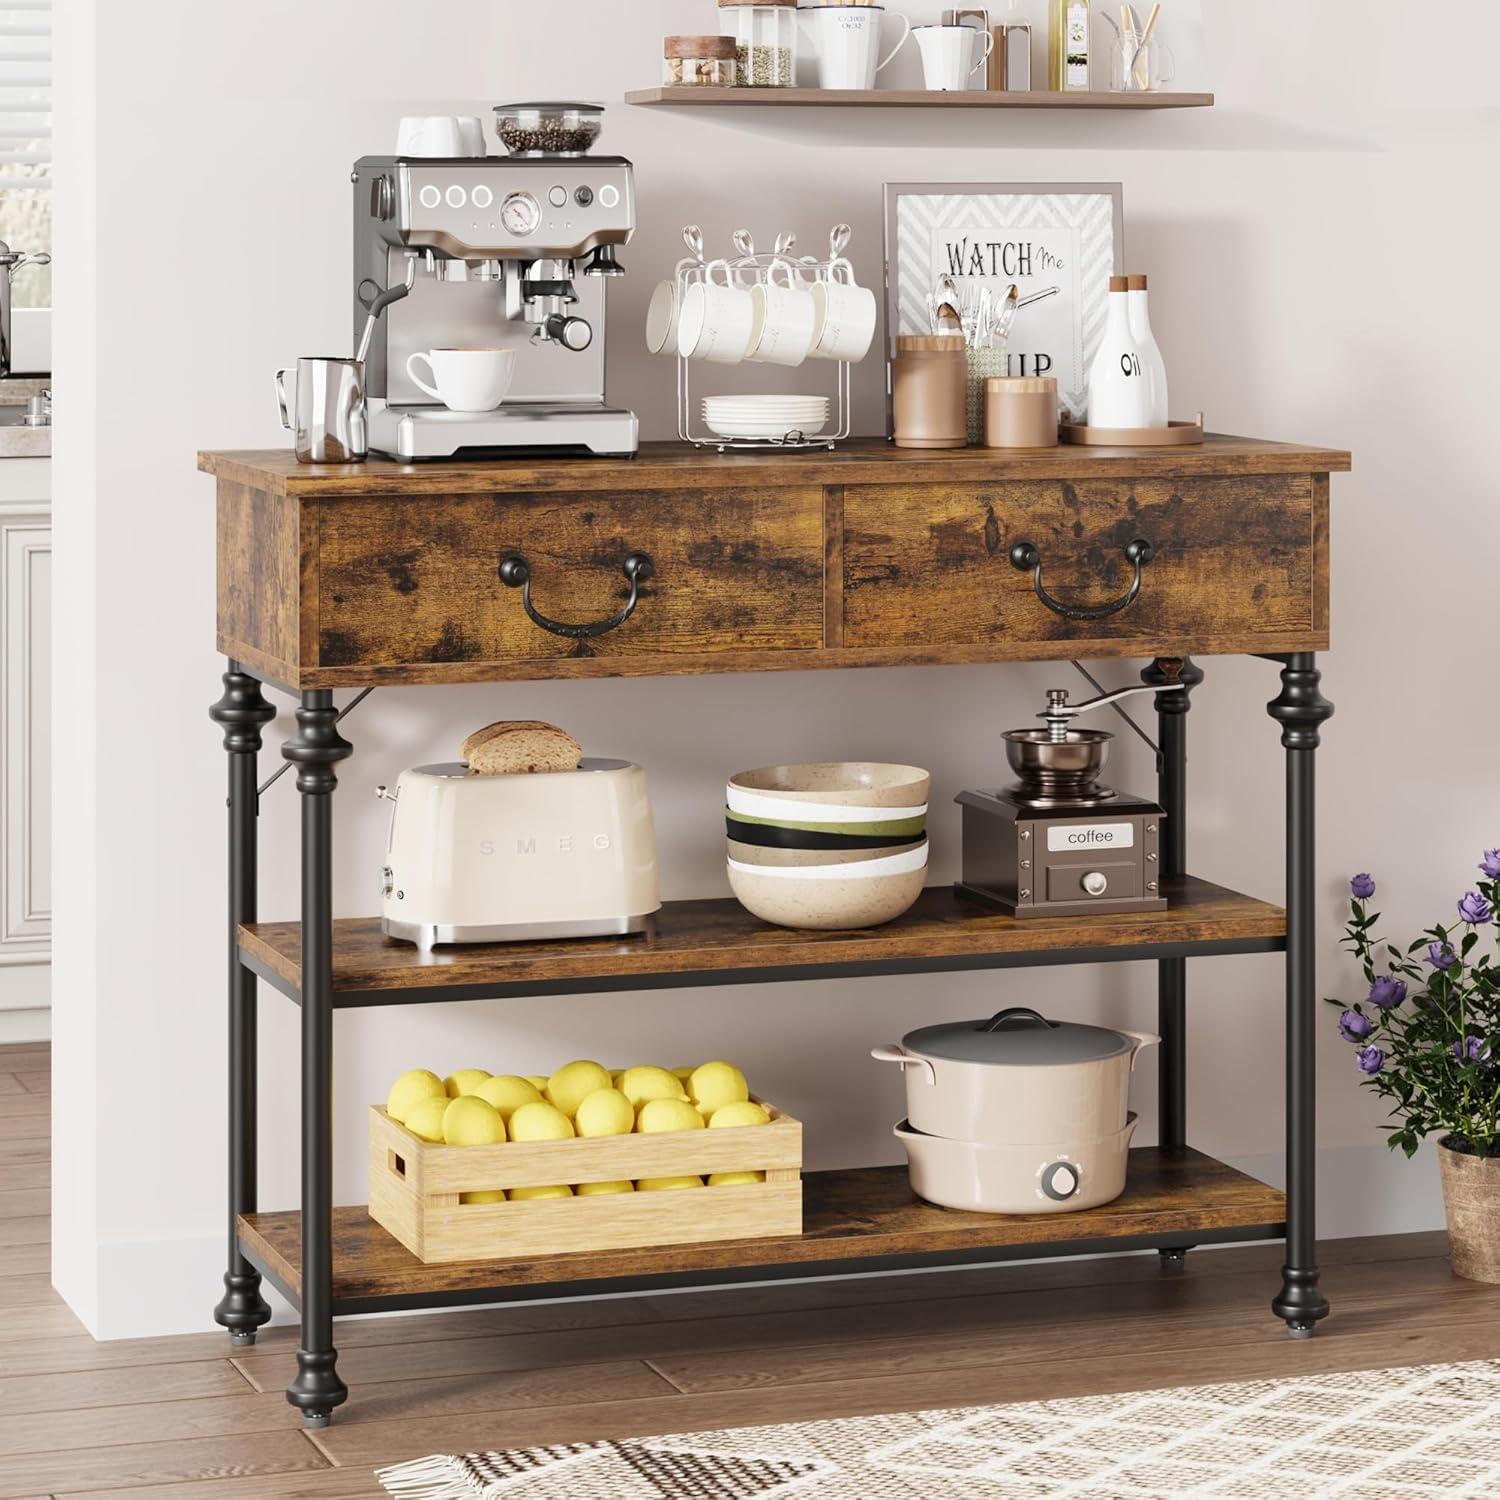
x=1174, y=434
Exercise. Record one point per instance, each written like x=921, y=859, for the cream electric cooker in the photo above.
x=518, y=858
x=1017, y=1114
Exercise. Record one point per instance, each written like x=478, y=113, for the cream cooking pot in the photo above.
x=1017, y=1078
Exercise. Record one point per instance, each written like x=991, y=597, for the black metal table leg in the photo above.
x=1171, y=973
x=315, y=750
x=1301, y=710
x=240, y=712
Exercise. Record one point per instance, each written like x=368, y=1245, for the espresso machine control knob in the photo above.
x=1096, y=882
x=572, y=333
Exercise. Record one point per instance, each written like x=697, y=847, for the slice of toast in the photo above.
x=517, y=746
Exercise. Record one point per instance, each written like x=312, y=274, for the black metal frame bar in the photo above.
x=1301, y=710
x=316, y=749
x=810, y=1270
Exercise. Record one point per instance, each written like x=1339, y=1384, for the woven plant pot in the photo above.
x=1471, y=1196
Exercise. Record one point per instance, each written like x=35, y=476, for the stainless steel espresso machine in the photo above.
x=501, y=252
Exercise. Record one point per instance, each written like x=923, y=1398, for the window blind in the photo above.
x=26, y=94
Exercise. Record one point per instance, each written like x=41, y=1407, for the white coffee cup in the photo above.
x=846, y=41
x=714, y=321
x=465, y=379
x=843, y=321
x=948, y=60
x=440, y=135
x=661, y=317
x=782, y=328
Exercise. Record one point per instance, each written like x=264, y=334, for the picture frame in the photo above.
x=1038, y=235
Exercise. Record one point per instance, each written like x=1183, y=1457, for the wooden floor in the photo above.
x=177, y=1418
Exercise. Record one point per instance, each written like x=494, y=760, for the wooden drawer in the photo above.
x=411, y=581
x=1239, y=564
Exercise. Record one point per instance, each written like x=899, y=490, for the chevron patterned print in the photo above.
x=1036, y=240
x=1428, y=1433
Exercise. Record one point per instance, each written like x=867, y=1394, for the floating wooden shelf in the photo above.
x=869, y=1216
x=719, y=942
x=914, y=98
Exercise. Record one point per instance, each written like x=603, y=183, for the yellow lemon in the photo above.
x=734, y=1179
x=598, y=1189
x=733, y=1115
x=548, y=1190
x=483, y=1195
x=605, y=1112
x=642, y=1084
x=666, y=1184
x=538, y=1081
x=508, y=1093
x=667, y=1114
x=469, y=1121
x=615, y=1075
x=682, y=1073
x=572, y=1084
x=411, y=1089
x=540, y=1121
x=426, y=1119
x=716, y=1084
x=465, y=1081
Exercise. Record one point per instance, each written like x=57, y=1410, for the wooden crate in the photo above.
x=415, y=1187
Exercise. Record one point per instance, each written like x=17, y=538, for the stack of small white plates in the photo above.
x=765, y=417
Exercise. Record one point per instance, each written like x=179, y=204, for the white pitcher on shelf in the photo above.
x=846, y=42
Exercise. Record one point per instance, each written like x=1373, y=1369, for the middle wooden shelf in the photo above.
x=719, y=942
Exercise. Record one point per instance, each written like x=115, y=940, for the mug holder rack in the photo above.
x=748, y=270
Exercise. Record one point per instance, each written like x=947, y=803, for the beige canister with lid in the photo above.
x=1020, y=411
x=929, y=391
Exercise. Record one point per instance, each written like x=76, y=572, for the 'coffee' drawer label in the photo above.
x=1063, y=836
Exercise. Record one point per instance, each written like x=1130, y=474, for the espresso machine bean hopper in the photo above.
x=511, y=252
x=1058, y=842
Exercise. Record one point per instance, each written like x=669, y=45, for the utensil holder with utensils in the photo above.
x=769, y=309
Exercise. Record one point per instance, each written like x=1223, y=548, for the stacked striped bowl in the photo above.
x=830, y=845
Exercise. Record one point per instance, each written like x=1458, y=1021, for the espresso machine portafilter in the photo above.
x=511, y=252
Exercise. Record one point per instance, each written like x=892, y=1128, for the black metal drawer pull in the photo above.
x=515, y=573
x=1025, y=557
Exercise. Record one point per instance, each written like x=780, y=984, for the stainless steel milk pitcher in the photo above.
x=325, y=409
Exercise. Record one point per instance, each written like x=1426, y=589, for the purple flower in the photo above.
x=1472, y=907
x=1471, y=1049
x=1370, y=1059
x=1441, y=955
x=1362, y=887
x=1387, y=992
x=1490, y=864
x=1354, y=1027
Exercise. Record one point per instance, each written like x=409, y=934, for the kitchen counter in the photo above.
x=16, y=439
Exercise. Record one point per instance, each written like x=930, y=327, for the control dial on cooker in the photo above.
x=1059, y=1181
x=521, y=213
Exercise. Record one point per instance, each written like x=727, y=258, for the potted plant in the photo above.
x=1427, y=1038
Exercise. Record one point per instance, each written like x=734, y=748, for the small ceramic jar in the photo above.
x=1020, y=411
x=929, y=391
x=699, y=62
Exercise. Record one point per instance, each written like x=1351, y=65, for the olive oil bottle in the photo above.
x=1070, y=45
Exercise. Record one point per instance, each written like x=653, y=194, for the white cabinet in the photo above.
x=25, y=748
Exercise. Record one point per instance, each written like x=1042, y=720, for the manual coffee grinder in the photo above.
x=1058, y=842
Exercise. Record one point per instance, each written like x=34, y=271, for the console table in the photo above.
x=684, y=561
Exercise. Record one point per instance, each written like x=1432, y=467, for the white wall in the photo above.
x=1318, y=246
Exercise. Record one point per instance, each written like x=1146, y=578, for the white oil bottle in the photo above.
x=1155, y=366
x=1119, y=388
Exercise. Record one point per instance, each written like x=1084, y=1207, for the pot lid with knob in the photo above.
x=1018, y=1037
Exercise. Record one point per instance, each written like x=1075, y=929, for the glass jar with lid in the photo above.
x=765, y=34
x=698, y=61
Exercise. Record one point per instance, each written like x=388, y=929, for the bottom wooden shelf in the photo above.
x=860, y=1220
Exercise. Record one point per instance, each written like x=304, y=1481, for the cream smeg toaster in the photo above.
x=515, y=858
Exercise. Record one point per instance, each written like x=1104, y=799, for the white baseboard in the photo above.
x=153, y=1287
x=25, y=1025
